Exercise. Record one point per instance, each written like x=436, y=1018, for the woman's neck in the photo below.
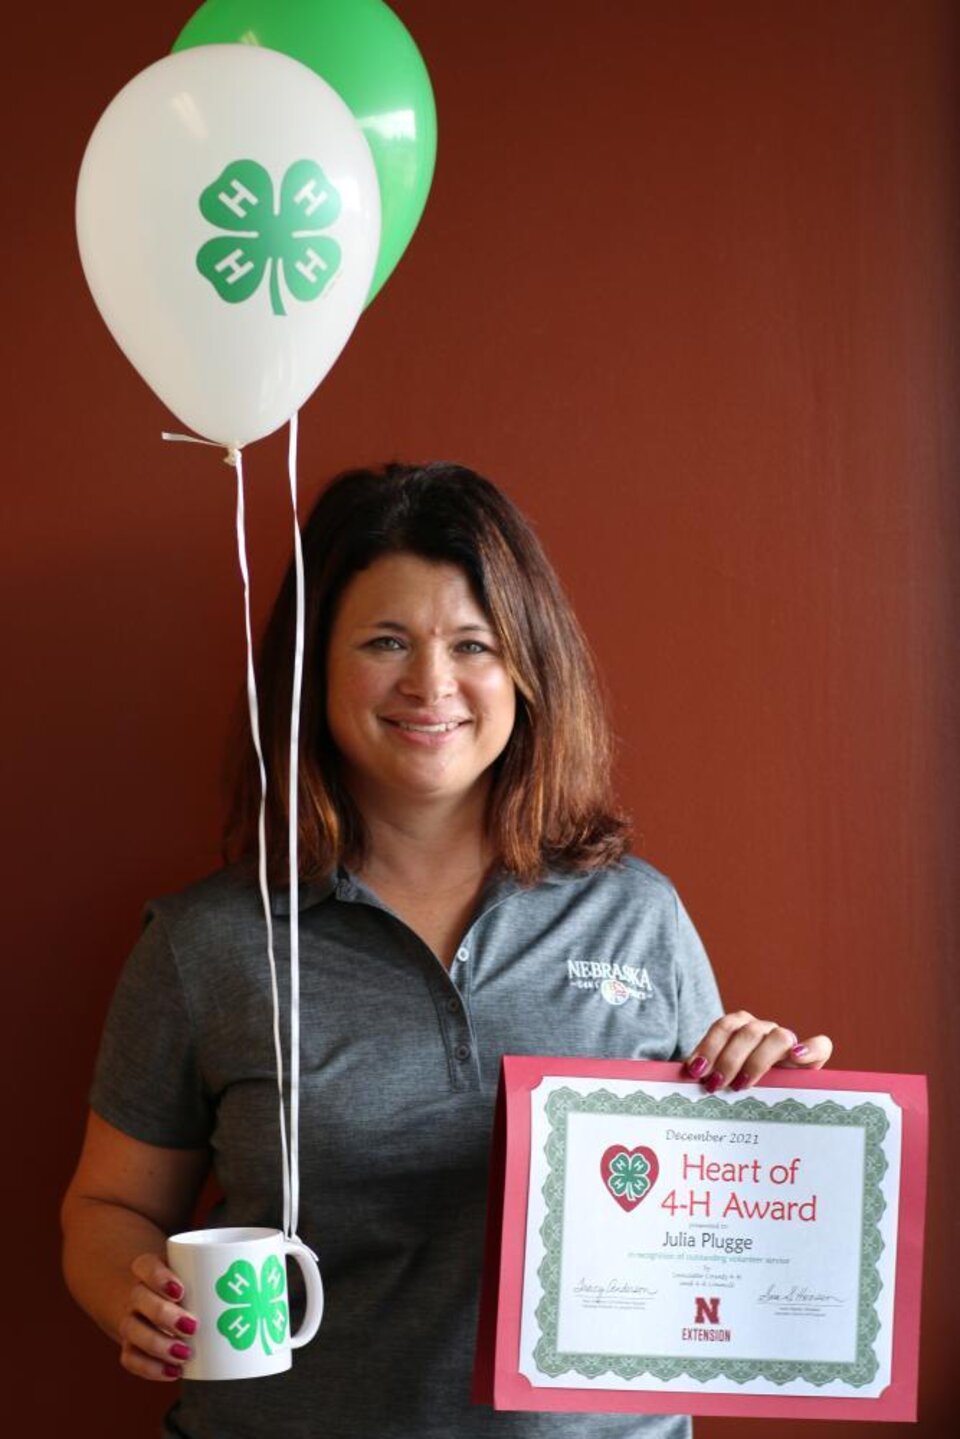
x=433, y=847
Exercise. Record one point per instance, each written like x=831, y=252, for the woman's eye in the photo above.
x=393, y=644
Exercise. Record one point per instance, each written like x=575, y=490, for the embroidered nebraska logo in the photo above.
x=616, y=983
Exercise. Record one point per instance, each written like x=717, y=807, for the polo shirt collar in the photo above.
x=346, y=886
x=310, y=893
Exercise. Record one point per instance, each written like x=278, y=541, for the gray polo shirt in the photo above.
x=399, y=1068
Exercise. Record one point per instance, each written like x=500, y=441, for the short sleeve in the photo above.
x=698, y=997
x=147, y=1080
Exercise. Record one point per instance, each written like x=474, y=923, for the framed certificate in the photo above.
x=651, y=1247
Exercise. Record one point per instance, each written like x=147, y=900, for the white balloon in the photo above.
x=232, y=313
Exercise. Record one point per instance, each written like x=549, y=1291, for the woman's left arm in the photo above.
x=738, y=1049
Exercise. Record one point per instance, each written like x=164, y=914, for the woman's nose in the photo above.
x=428, y=675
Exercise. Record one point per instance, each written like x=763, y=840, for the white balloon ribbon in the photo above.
x=293, y=843
x=290, y=1154
x=254, y=709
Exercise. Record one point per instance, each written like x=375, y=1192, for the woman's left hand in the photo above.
x=738, y=1050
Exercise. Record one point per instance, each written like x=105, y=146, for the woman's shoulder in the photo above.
x=629, y=875
x=629, y=882
x=224, y=902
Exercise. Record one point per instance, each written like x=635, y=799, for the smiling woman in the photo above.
x=420, y=702
x=397, y=563
x=466, y=895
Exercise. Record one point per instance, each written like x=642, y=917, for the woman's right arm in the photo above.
x=123, y=1201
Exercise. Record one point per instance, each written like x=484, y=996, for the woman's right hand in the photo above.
x=155, y=1331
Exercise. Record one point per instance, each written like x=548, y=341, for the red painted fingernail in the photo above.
x=799, y=1050
x=713, y=1083
x=172, y=1371
x=186, y=1325
x=742, y=1081
x=174, y=1289
x=696, y=1066
x=180, y=1351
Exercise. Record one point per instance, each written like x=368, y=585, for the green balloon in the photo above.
x=363, y=51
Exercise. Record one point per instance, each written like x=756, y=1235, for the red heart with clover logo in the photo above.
x=629, y=1174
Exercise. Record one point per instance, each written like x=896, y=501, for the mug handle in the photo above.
x=314, y=1286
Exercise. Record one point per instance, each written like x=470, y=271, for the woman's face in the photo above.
x=419, y=700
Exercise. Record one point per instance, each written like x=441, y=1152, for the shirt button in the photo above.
x=463, y=954
x=462, y=1052
x=453, y=1004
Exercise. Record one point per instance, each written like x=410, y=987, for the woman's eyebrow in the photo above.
x=404, y=629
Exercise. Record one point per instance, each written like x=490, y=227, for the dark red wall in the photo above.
x=687, y=286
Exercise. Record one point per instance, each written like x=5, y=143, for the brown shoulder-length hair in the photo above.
x=551, y=803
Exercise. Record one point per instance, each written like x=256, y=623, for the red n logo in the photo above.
x=708, y=1310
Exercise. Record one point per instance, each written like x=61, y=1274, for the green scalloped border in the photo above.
x=858, y=1372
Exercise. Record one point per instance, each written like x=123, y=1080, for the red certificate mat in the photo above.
x=652, y=1248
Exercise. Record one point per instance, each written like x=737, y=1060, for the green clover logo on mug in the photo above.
x=235, y=1281
x=257, y=1307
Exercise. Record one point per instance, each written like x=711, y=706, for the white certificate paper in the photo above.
x=710, y=1252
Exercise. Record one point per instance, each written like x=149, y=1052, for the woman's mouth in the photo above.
x=442, y=727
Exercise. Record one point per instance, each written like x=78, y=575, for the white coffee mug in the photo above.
x=235, y=1282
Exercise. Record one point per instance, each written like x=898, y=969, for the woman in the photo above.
x=464, y=872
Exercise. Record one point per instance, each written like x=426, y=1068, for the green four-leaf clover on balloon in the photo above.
x=629, y=1176
x=287, y=240
x=256, y=1306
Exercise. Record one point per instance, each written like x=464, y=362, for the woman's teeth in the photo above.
x=427, y=728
